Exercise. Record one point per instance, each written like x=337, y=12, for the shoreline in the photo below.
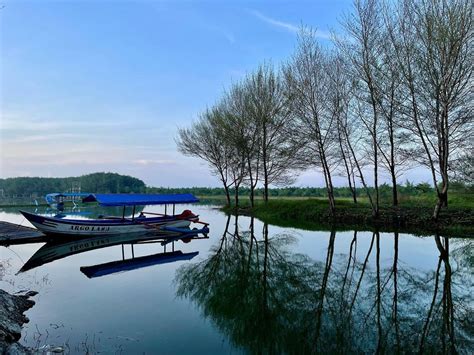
x=314, y=215
x=12, y=318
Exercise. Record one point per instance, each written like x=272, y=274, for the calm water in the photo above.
x=255, y=288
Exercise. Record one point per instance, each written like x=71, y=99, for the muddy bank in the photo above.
x=12, y=319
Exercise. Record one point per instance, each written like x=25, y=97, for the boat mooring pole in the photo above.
x=173, y=208
x=133, y=252
x=173, y=245
x=165, y=209
x=133, y=213
x=123, y=253
x=123, y=213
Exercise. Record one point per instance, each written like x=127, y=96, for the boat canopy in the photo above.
x=53, y=197
x=139, y=199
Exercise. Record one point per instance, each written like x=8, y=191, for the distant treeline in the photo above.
x=96, y=182
x=385, y=190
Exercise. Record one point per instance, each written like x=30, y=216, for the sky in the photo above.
x=89, y=86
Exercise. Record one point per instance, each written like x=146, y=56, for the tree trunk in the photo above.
x=394, y=186
x=346, y=165
x=252, y=185
x=227, y=194
x=442, y=200
x=360, y=171
x=329, y=188
x=375, y=212
x=354, y=189
x=252, y=196
x=236, y=196
x=265, y=167
x=392, y=161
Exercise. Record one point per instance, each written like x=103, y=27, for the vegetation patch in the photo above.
x=413, y=216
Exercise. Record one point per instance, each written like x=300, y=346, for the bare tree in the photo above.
x=340, y=94
x=307, y=81
x=204, y=140
x=392, y=137
x=352, y=135
x=268, y=107
x=363, y=48
x=244, y=132
x=433, y=46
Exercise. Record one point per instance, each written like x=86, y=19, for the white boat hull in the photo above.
x=104, y=227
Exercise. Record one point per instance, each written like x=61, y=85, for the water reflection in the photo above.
x=58, y=249
x=267, y=298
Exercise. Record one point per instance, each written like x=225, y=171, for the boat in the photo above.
x=144, y=223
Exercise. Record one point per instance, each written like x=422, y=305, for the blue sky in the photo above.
x=90, y=86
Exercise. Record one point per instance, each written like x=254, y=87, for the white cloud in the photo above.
x=147, y=162
x=287, y=25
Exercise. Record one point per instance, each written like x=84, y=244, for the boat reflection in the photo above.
x=135, y=263
x=55, y=250
x=268, y=299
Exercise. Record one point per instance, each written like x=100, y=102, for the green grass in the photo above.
x=413, y=215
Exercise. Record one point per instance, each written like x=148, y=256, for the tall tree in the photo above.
x=268, y=107
x=363, y=49
x=340, y=95
x=392, y=137
x=307, y=81
x=244, y=132
x=204, y=140
x=433, y=46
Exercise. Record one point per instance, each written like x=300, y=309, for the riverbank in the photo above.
x=313, y=214
x=12, y=319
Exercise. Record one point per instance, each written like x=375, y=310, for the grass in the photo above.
x=413, y=215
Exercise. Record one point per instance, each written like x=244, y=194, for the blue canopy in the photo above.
x=139, y=199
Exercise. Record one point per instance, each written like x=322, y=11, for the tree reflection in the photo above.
x=268, y=299
x=448, y=323
x=252, y=288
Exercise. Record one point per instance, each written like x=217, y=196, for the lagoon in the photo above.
x=255, y=288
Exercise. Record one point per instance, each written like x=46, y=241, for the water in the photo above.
x=255, y=288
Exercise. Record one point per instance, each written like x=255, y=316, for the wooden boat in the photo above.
x=145, y=222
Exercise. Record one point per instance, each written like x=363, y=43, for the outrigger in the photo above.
x=144, y=223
